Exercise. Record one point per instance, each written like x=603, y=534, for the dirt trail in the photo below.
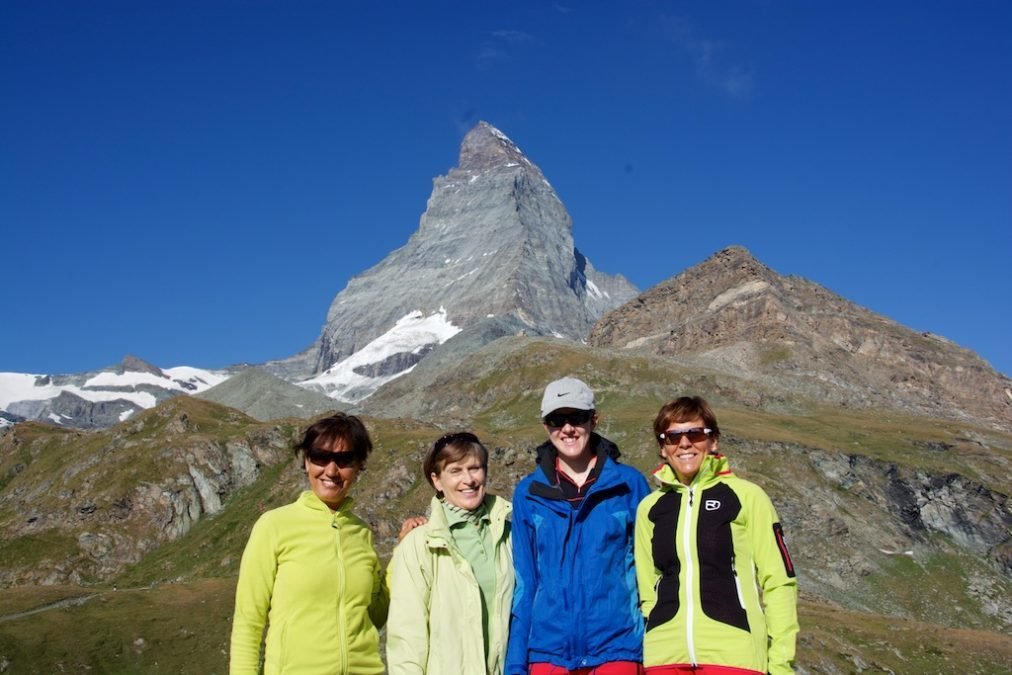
x=66, y=602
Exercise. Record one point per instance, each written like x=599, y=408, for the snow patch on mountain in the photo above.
x=362, y=373
x=136, y=387
x=594, y=291
x=28, y=387
x=182, y=378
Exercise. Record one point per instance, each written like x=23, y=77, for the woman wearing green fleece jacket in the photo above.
x=309, y=571
x=717, y=585
x=451, y=579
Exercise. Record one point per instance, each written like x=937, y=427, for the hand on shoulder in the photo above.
x=410, y=523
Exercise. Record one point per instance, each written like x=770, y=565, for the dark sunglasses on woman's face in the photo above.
x=559, y=420
x=323, y=458
x=695, y=435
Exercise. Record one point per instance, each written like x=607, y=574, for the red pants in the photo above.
x=688, y=669
x=609, y=668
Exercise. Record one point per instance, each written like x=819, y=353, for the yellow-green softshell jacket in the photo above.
x=435, y=604
x=710, y=558
x=314, y=576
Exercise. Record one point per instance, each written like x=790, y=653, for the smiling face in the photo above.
x=331, y=481
x=685, y=457
x=462, y=482
x=569, y=431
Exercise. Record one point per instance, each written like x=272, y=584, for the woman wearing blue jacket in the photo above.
x=575, y=603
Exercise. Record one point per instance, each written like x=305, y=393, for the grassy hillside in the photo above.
x=899, y=525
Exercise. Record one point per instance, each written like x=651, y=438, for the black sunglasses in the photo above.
x=695, y=435
x=323, y=458
x=558, y=420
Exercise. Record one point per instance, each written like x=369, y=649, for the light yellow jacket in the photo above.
x=435, y=624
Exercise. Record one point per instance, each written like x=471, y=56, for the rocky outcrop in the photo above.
x=127, y=491
x=964, y=511
x=495, y=241
x=733, y=313
x=894, y=539
x=72, y=410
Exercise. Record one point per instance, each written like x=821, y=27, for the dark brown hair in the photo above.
x=685, y=409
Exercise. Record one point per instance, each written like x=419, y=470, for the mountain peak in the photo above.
x=734, y=254
x=133, y=364
x=732, y=312
x=493, y=255
x=485, y=147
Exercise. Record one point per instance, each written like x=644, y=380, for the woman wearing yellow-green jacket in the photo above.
x=707, y=543
x=310, y=572
x=451, y=579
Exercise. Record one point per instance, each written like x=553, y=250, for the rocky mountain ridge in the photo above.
x=734, y=314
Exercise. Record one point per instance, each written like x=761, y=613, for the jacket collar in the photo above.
x=309, y=499
x=546, y=479
x=438, y=528
x=714, y=466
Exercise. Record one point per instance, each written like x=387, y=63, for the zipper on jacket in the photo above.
x=689, y=584
x=342, y=630
x=570, y=535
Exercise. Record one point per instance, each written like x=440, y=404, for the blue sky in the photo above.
x=193, y=182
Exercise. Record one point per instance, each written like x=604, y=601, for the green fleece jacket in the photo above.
x=435, y=603
x=704, y=552
x=313, y=576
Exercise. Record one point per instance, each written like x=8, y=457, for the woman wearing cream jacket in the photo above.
x=451, y=579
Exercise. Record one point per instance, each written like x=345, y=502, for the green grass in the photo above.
x=30, y=549
x=933, y=588
x=173, y=628
x=833, y=640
